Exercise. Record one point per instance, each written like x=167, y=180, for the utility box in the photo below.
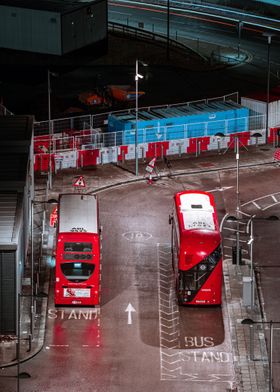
x=247, y=290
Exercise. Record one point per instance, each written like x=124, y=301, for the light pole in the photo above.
x=237, y=203
x=137, y=77
x=50, y=129
x=50, y=125
x=240, y=25
x=250, y=243
x=269, y=36
x=49, y=101
x=168, y=29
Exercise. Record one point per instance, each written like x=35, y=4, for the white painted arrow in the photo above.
x=129, y=310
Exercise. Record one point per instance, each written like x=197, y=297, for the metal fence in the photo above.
x=100, y=120
x=95, y=139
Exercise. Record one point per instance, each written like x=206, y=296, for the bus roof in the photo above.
x=196, y=210
x=77, y=212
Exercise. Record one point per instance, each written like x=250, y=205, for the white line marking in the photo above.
x=256, y=205
x=58, y=345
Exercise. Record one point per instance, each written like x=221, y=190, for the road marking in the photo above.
x=256, y=205
x=222, y=189
x=76, y=314
x=136, y=236
x=121, y=13
x=56, y=345
x=180, y=363
x=129, y=310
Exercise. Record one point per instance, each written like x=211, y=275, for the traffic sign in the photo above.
x=80, y=182
x=151, y=166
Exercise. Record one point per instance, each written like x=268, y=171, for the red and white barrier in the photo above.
x=74, y=157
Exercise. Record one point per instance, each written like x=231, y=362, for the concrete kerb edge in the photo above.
x=177, y=173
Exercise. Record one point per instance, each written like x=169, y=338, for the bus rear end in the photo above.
x=200, y=275
x=77, y=269
x=78, y=250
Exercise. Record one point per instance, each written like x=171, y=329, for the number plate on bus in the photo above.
x=71, y=292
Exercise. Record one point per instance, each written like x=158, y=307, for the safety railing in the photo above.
x=4, y=111
x=78, y=123
x=146, y=35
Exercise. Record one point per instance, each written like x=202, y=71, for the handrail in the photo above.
x=151, y=36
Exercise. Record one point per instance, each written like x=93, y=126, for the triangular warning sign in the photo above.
x=152, y=162
x=80, y=182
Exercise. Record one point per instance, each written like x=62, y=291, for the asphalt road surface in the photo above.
x=139, y=339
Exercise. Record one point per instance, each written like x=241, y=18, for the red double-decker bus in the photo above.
x=77, y=271
x=196, y=249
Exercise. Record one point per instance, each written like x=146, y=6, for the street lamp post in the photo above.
x=237, y=204
x=250, y=243
x=50, y=125
x=268, y=86
x=49, y=101
x=269, y=36
x=168, y=30
x=240, y=25
x=137, y=77
x=50, y=128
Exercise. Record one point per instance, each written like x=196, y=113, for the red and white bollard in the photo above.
x=150, y=179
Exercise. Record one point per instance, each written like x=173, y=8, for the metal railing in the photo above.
x=4, y=111
x=78, y=123
x=94, y=139
x=138, y=33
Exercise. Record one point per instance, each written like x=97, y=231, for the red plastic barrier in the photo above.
x=243, y=137
x=41, y=144
x=123, y=151
x=88, y=157
x=274, y=135
x=157, y=149
x=193, y=145
x=41, y=164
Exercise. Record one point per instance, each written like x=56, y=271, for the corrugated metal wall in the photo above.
x=12, y=256
x=8, y=292
x=260, y=107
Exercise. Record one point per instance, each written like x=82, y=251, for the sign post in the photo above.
x=150, y=169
